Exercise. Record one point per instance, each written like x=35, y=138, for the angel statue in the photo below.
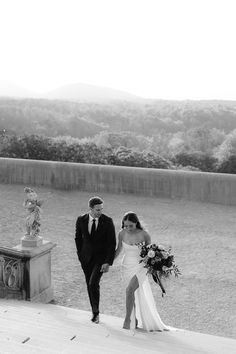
x=33, y=207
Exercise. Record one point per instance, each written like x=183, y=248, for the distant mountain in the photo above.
x=71, y=92
x=8, y=89
x=85, y=92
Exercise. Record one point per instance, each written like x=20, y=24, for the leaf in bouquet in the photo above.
x=176, y=270
x=169, y=272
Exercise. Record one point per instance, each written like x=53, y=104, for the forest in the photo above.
x=190, y=135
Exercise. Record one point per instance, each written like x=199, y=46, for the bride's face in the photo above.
x=129, y=226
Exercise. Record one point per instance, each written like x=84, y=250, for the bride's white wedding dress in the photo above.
x=145, y=309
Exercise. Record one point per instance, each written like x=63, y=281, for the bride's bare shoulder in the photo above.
x=121, y=234
x=146, y=236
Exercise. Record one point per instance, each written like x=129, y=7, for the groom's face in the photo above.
x=96, y=211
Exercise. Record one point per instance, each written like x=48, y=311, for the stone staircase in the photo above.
x=35, y=328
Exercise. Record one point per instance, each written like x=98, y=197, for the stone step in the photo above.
x=34, y=328
x=44, y=324
x=11, y=347
x=22, y=330
x=71, y=323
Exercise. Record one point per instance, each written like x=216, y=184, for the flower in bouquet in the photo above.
x=151, y=254
x=159, y=262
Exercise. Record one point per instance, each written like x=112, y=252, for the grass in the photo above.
x=202, y=237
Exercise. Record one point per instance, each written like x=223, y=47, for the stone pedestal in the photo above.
x=25, y=272
x=31, y=241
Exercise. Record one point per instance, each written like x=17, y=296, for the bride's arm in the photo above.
x=119, y=246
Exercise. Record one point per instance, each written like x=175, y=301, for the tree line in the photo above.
x=91, y=151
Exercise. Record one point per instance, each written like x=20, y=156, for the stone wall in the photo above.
x=197, y=186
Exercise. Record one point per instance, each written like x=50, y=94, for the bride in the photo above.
x=140, y=304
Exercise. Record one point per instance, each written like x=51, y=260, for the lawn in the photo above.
x=202, y=237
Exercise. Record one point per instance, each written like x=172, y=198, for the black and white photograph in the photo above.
x=117, y=177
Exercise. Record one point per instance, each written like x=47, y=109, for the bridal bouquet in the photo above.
x=158, y=261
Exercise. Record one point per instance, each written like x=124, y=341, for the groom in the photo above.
x=95, y=242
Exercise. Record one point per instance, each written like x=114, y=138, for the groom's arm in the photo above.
x=111, y=243
x=78, y=236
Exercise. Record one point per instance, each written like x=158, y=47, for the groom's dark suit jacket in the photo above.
x=99, y=248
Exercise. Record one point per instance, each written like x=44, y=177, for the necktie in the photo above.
x=93, y=228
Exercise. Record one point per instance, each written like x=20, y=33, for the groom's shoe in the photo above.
x=95, y=318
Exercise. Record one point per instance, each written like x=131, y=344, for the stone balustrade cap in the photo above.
x=28, y=252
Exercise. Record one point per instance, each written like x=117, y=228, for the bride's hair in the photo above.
x=131, y=216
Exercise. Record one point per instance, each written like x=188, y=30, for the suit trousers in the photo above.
x=93, y=274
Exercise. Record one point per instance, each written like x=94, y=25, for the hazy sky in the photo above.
x=177, y=49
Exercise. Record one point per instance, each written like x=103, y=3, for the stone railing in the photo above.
x=197, y=186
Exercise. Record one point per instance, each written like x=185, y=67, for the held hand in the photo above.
x=105, y=268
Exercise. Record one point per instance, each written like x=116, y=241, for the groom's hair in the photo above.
x=94, y=201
